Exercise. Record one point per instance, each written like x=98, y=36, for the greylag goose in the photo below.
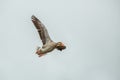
x=48, y=44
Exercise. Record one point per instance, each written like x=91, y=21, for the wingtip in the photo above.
x=33, y=15
x=33, y=18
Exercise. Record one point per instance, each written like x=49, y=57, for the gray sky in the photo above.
x=89, y=28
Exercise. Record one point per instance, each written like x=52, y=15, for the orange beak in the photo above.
x=62, y=44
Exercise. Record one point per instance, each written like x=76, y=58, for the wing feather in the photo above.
x=43, y=33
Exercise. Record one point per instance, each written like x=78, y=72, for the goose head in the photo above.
x=60, y=46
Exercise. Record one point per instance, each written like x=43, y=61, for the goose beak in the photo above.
x=61, y=44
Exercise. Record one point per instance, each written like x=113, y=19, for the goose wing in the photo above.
x=43, y=33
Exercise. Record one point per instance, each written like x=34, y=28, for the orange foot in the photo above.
x=39, y=53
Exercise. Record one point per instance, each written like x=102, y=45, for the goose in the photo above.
x=48, y=44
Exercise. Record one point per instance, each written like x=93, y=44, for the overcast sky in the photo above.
x=89, y=28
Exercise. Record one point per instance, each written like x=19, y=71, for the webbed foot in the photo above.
x=39, y=53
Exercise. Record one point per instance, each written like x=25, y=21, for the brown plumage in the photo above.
x=48, y=44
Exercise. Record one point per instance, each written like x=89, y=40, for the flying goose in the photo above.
x=48, y=44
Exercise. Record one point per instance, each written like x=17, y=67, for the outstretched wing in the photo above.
x=41, y=30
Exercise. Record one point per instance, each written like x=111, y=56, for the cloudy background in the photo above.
x=89, y=28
